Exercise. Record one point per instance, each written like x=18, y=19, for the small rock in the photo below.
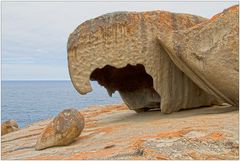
x=64, y=128
x=9, y=126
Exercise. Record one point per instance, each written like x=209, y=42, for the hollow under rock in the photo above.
x=132, y=82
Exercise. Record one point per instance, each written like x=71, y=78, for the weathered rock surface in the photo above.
x=8, y=127
x=121, y=51
x=114, y=132
x=63, y=130
x=208, y=54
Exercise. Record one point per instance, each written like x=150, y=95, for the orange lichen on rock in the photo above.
x=121, y=51
x=215, y=58
x=54, y=157
x=101, y=153
x=98, y=110
x=64, y=128
x=217, y=135
x=122, y=134
x=171, y=134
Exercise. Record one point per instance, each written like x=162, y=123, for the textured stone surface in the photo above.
x=63, y=130
x=9, y=126
x=119, y=39
x=114, y=132
x=208, y=54
x=134, y=85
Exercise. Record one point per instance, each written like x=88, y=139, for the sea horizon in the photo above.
x=30, y=101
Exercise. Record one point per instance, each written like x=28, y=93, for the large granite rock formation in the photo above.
x=122, y=52
x=208, y=54
x=64, y=128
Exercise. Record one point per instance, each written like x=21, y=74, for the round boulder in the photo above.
x=64, y=128
x=9, y=126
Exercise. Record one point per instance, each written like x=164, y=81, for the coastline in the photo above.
x=28, y=102
x=115, y=132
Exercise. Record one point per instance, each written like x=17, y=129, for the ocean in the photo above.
x=31, y=101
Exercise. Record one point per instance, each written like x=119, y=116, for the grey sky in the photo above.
x=34, y=34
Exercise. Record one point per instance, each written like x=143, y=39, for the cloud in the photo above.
x=34, y=34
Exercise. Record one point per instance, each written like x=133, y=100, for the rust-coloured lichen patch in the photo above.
x=137, y=136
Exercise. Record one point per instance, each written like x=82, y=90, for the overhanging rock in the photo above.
x=121, y=48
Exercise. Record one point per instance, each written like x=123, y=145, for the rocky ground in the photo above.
x=114, y=132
